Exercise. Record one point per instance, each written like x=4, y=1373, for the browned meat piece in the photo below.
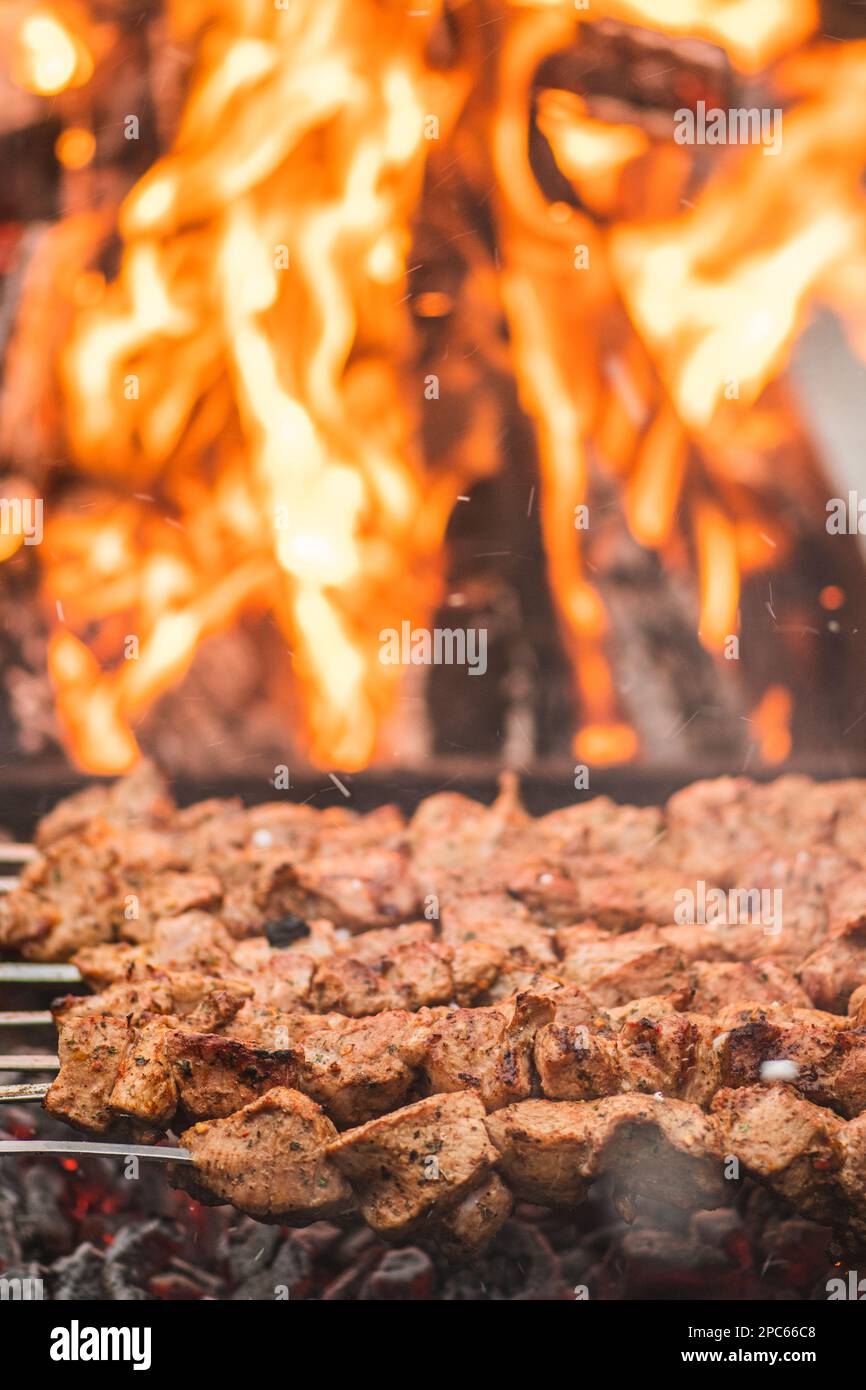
x=620, y=968
x=786, y=1143
x=575, y=1063
x=671, y=1055
x=26, y=919
x=831, y=974
x=373, y=945
x=171, y=894
x=805, y=883
x=410, y=976
x=111, y=962
x=851, y=1150
x=488, y=1051
x=460, y=847
x=130, y=1001
x=416, y=1163
x=542, y=1150
x=465, y=1230
x=721, y=983
x=217, y=1006
x=145, y=1088
x=663, y=1149
x=91, y=1050
x=710, y=828
x=619, y=900
x=744, y=1012
x=66, y=899
x=827, y=1065
x=475, y=968
x=361, y=889
x=270, y=1159
x=522, y=979
x=141, y=798
x=601, y=826
x=216, y=1076
x=500, y=921
x=857, y=1008
x=191, y=941
x=846, y=893
x=364, y=1067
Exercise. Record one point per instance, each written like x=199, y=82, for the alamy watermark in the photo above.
x=851, y=1288
x=14, y=1289
x=22, y=516
x=738, y=907
x=741, y=125
x=846, y=516
x=438, y=646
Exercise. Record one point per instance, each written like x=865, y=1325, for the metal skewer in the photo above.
x=17, y=854
x=28, y=1061
x=14, y=972
x=26, y=1091
x=35, y=1018
x=86, y=1150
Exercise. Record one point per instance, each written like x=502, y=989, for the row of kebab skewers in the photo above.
x=421, y=1022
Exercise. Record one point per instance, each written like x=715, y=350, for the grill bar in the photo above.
x=35, y=1018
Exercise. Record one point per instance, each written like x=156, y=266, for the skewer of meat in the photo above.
x=144, y=1051
x=444, y=1168
x=491, y=870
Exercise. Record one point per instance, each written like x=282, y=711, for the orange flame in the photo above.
x=246, y=368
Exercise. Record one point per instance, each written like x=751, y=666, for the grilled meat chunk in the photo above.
x=666, y=1150
x=619, y=968
x=718, y=984
x=91, y=1050
x=145, y=1087
x=364, y=1067
x=831, y=974
x=216, y=1075
x=466, y=1230
x=488, y=1051
x=416, y=1163
x=500, y=921
x=786, y=1143
x=270, y=1159
x=141, y=799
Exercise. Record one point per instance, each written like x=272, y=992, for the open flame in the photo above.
x=242, y=397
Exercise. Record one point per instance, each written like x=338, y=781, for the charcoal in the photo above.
x=318, y=1239
x=288, y=1274
x=10, y=1245
x=248, y=1248
x=519, y=1265
x=77, y=1276
x=178, y=1288
x=44, y=1220
x=283, y=931
x=347, y=1286
x=140, y=1252
x=400, y=1274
